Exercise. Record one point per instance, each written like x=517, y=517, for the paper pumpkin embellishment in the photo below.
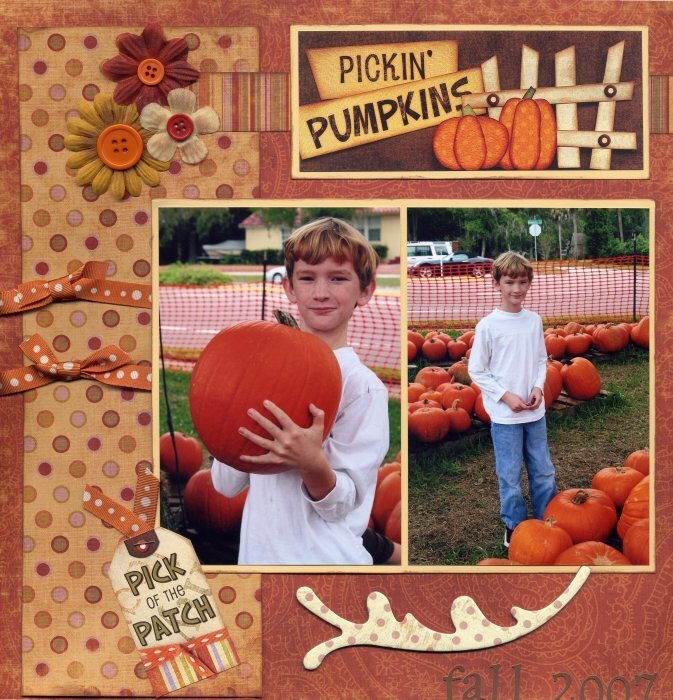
x=109, y=148
x=86, y=283
x=148, y=67
x=107, y=365
x=163, y=593
x=179, y=127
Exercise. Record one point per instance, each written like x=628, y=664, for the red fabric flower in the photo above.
x=168, y=67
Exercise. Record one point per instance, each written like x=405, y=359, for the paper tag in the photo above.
x=164, y=596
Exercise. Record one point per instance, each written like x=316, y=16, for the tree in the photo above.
x=182, y=230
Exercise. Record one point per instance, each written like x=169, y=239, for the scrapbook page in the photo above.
x=283, y=284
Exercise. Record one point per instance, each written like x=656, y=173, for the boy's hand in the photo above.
x=535, y=399
x=294, y=447
x=515, y=402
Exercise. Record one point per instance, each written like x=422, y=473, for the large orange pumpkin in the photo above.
x=555, y=345
x=460, y=418
x=637, y=542
x=617, y=482
x=429, y=424
x=386, y=469
x=434, y=349
x=640, y=333
x=531, y=124
x=456, y=349
x=388, y=494
x=416, y=338
x=577, y=344
x=252, y=361
x=459, y=372
x=423, y=403
x=431, y=376
x=592, y=554
x=538, y=542
x=609, y=338
x=581, y=379
x=412, y=351
x=640, y=460
x=415, y=391
x=636, y=506
x=480, y=411
x=393, y=529
x=554, y=381
x=464, y=394
x=209, y=511
x=190, y=455
x=470, y=142
x=585, y=514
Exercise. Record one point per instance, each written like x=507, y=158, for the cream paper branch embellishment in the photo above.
x=472, y=629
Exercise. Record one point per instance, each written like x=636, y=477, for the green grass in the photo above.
x=178, y=396
x=453, y=498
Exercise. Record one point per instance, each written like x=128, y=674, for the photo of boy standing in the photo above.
x=508, y=363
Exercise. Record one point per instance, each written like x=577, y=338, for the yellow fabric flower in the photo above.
x=109, y=147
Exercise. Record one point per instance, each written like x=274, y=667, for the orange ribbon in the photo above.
x=87, y=283
x=113, y=513
x=109, y=365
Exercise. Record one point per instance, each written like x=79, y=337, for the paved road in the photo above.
x=577, y=292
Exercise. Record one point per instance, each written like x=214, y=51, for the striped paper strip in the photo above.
x=223, y=655
x=247, y=101
x=660, y=104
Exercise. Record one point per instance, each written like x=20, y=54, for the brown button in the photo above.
x=150, y=71
x=119, y=146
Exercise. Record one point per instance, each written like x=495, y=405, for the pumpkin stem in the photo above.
x=529, y=93
x=580, y=497
x=285, y=318
x=468, y=111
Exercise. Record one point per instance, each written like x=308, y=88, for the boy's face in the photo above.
x=513, y=291
x=327, y=294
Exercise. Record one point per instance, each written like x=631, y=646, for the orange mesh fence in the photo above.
x=587, y=291
x=190, y=316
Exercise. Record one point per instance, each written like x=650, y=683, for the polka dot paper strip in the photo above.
x=108, y=365
x=87, y=283
x=75, y=641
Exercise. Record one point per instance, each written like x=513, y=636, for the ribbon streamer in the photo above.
x=113, y=513
x=108, y=365
x=87, y=283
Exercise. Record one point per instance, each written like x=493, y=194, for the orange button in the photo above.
x=119, y=146
x=151, y=71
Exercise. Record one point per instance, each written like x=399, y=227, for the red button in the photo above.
x=119, y=146
x=180, y=127
x=150, y=71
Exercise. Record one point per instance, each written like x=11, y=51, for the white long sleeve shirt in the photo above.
x=509, y=355
x=282, y=524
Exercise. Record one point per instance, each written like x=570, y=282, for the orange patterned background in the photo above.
x=618, y=624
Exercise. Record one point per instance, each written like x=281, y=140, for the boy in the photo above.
x=508, y=363
x=317, y=511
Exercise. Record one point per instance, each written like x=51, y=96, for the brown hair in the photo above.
x=511, y=264
x=331, y=238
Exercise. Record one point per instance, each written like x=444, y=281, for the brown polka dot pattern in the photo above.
x=64, y=226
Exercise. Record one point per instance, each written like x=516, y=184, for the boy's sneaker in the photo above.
x=508, y=536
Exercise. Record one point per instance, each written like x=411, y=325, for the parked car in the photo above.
x=459, y=263
x=276, y=274
x=428, y=251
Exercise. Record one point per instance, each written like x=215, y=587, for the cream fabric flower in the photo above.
x=179, y=126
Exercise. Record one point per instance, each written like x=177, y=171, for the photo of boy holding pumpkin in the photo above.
x=508, y=363
x=316, y=511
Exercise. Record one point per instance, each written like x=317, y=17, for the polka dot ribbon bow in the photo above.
x=87, y=283
x=108, y=365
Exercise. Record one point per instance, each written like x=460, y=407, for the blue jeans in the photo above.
x=512, y=444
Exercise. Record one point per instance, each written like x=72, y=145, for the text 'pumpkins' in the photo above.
x=248, y=363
